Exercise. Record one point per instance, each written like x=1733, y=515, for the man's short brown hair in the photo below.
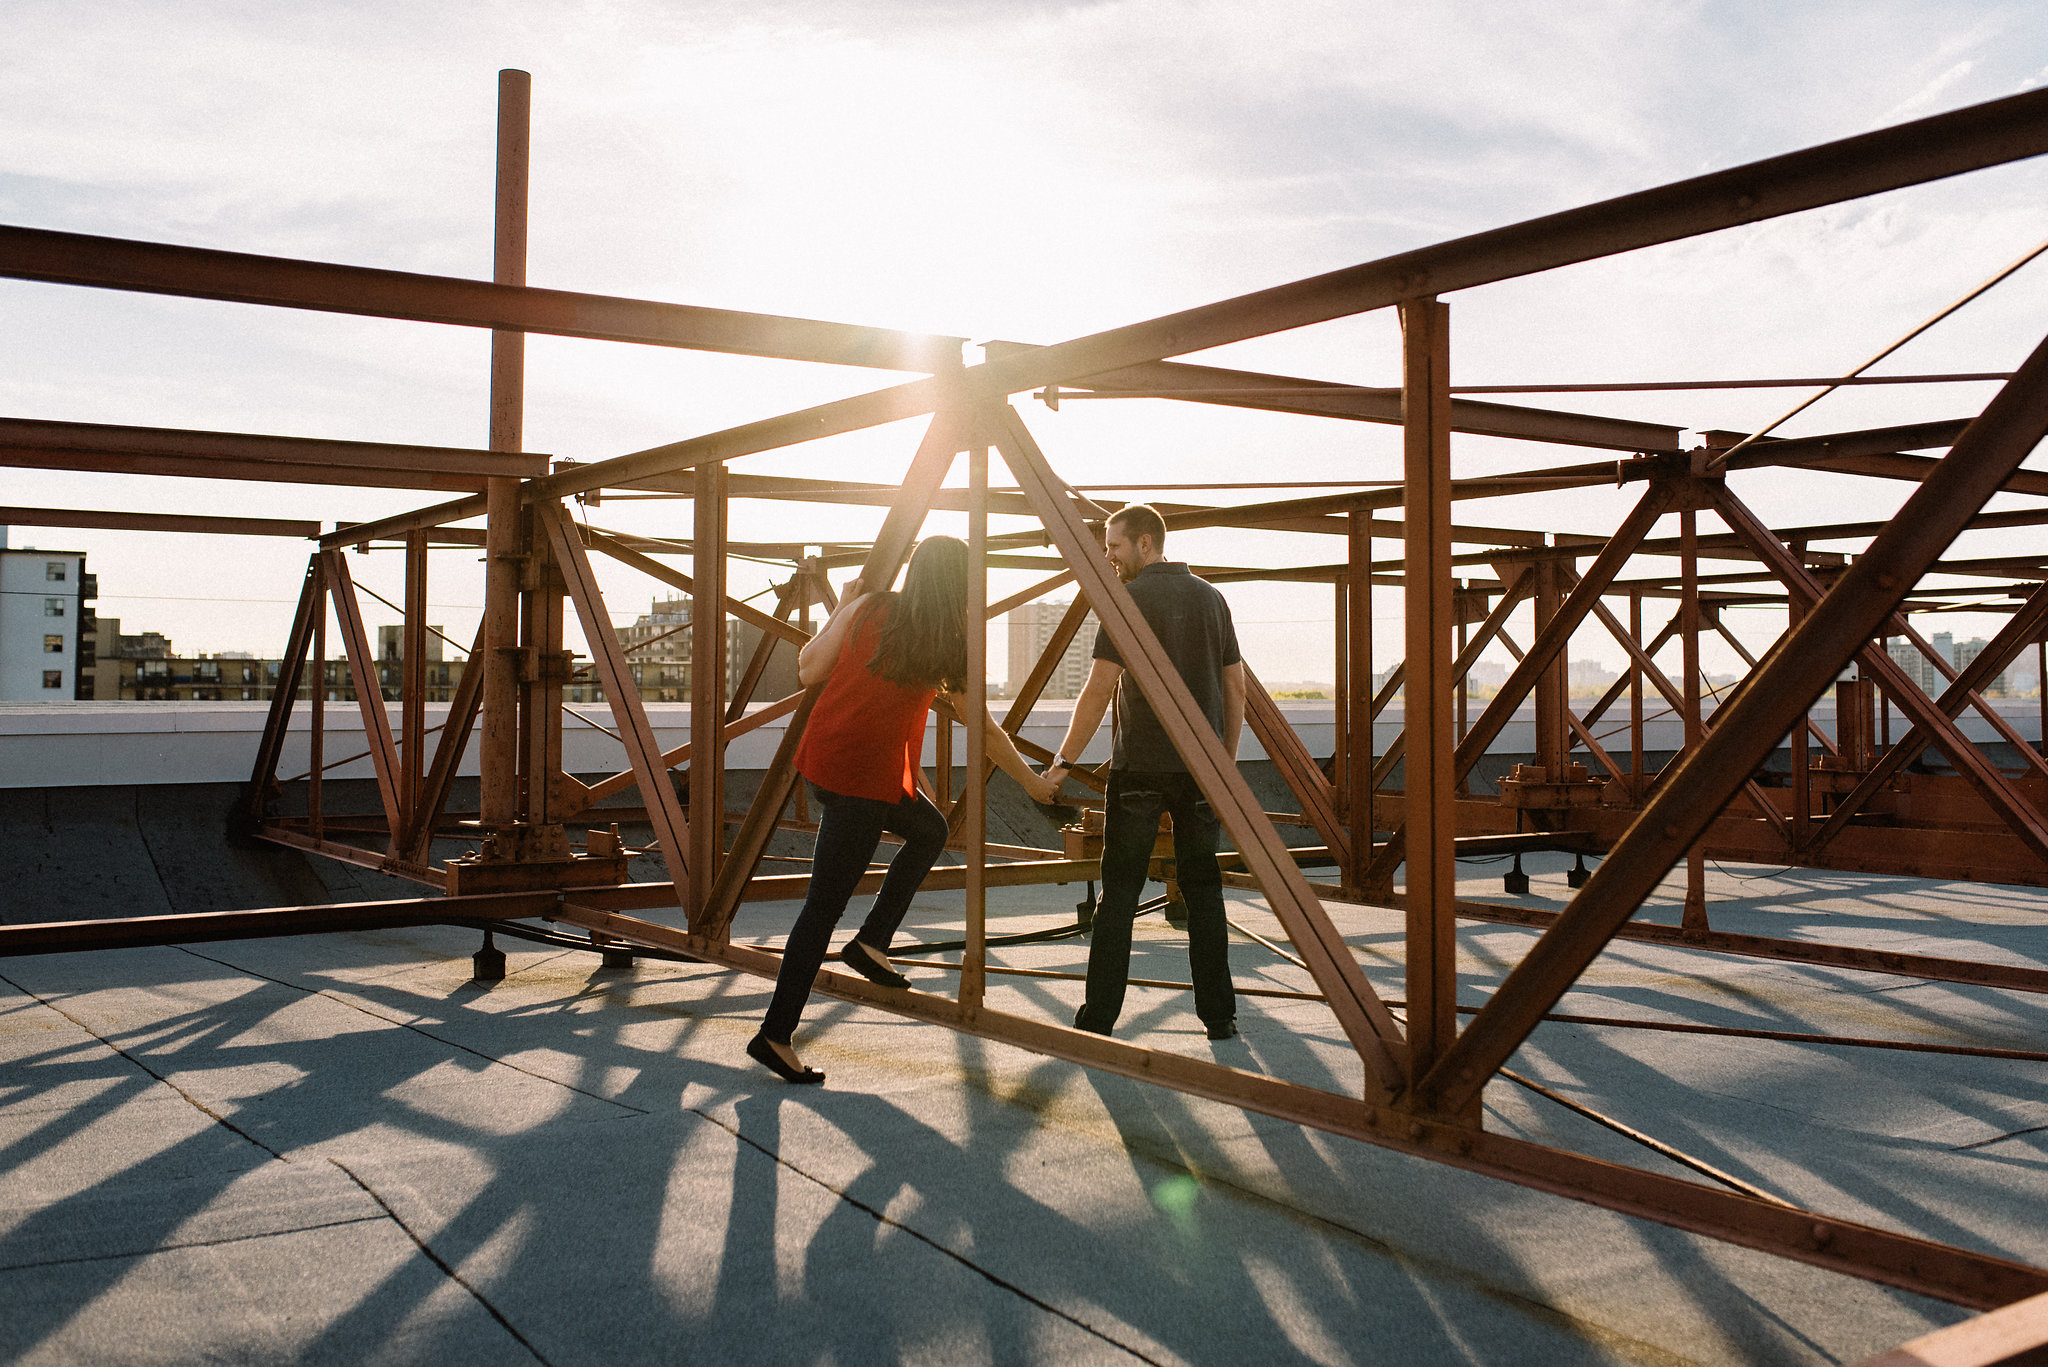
x=1141, y=519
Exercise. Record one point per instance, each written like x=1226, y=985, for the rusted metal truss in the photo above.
x=1848, y=801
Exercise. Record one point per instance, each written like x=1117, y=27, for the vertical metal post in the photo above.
x=498, y=743
x=707, y=681
x=316, y=738
x=540, y=713
x=1638, y=782
x=412, y=686
x=942, y=763
x=1802, y=776
x=1802, y=781
x=1340, y=709
x=815, y=585
x=1358, y=635
x=1695, y=914
x=1884, y=701
x=1464, y=685
x=974, y=963
x=1431, y=610
x=1553, y=743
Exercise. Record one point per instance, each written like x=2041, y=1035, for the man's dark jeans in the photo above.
x=1131, y=823
x=849, y=829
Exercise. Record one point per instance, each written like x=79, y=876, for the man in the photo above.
x=1148, y=776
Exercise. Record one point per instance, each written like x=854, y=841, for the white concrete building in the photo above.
x=44, y=627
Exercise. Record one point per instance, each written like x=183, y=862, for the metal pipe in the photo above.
x=498, y=741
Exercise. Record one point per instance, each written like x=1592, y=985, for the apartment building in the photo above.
x=46, y=625
x=1924, y=673
x=1031, y=629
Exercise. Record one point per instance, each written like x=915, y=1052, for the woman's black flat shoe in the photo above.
x=763, y=1052
x=864, y=959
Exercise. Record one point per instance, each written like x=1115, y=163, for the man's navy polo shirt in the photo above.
x=1192, y=621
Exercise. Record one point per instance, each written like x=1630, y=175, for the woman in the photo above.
x=882, y=658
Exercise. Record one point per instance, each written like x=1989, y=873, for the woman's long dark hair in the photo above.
x=924, y=642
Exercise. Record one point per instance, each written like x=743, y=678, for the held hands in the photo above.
x=1044, y=789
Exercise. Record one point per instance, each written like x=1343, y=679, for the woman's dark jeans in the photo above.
x=849, y=829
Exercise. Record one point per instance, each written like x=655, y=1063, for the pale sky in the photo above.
x=1018, y=171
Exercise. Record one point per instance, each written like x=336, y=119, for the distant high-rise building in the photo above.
x=1031, y=629
x=1923, y=671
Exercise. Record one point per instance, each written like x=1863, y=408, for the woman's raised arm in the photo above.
x=815, y=660
x=1003, y=751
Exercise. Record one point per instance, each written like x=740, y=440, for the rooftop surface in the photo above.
x=59, y=744
x=341, y=1149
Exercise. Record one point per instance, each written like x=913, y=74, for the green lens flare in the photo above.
x=1176, y=1196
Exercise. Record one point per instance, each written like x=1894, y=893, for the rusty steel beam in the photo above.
x=707, y=684
x=972, y=809
x=248, y=455
x=1870, y=441
x=507, y=535
x=412, y=691
x=362, y=671
x=398, y=524
x=185, y=928
x=1930, y=967
x=312, y=605
x=157, y=522
x=784, y=488
x=1324, y=512
x=1298, y=769
x=1030, y=595
x=1320, y=398
x=1431, y=611
x=1805, y=664
x=2014, y=1335
x=664, y=811
x=244, y=278
x=440, y=778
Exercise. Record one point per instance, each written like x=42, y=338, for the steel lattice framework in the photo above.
x=1845, y=803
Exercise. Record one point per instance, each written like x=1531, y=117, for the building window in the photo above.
x=53, y=678
x=53, y=645
x=53, y=607
x=54, y=571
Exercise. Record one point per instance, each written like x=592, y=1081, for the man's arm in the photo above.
x=1088, y=710
x=1233, y=706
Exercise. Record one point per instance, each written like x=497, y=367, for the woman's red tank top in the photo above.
x=866, y=733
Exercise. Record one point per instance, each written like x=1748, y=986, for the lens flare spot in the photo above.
x=1176, y=1196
